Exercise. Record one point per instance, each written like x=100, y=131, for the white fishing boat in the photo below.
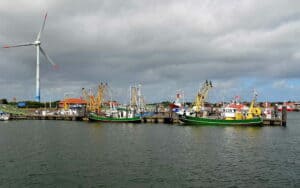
x=4, y=116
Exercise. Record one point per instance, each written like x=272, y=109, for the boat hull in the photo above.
x=212, y=121
x=4, y=117
x=94, y=117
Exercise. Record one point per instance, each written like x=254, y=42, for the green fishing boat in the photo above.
x=231, y=115
x=102, y=118
x=101, y=107
x=214, y=121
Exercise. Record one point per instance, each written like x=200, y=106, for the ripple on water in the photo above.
x=80, y=154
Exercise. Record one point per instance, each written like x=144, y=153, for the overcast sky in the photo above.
x=240, y=45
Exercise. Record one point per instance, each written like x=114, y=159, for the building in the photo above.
x=71, y=103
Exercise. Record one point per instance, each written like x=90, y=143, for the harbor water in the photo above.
x=85, y=154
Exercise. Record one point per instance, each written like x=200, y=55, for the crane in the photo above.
x=202, y=95
x=95, y=99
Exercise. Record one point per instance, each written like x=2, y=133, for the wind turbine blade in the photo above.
x=48, y=58
x=42, y=28
x=18, y=45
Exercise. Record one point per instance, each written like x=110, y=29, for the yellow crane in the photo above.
x=202, y=95
x=89, y=99
x=95, y=100
x=253, y=111
x=101, y=92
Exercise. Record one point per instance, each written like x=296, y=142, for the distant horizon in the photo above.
x=214, y=102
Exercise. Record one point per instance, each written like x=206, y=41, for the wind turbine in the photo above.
x=37, y=44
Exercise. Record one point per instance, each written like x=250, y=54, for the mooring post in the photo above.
x=275, y=111
x=283, y=116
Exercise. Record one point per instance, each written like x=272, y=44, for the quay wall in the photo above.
x=156, y=118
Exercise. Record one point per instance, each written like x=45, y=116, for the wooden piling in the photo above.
x=275, y=111
x=283, y=116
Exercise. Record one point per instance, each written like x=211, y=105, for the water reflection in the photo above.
x=93, y=154
x=225, y=136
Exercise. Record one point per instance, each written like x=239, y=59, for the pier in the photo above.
x=151, y=119
x=175, y=120
x=172, y=118
x=162, y=117
x=48, y=117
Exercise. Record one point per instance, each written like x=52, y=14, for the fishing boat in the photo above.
x=231, y=115
x=220, y=121
x=4, y=116
x=290, y=107
x=178, y=106
x=103, y=118
x=104, y=110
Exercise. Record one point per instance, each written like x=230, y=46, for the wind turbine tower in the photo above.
x=37, y=44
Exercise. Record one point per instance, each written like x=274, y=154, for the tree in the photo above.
x=3, y=101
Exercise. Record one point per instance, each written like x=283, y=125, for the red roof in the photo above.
x=73, y=101
x=238, y=106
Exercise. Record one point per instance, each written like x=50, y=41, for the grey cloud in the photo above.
x=165, y=45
